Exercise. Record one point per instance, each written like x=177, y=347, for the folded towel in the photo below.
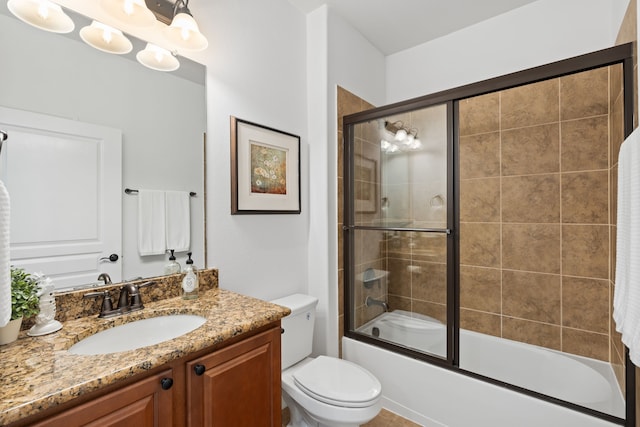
x=5, y=269
x=626, y=299
x=151, y=222
x=178, y=220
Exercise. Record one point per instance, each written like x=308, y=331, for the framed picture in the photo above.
x=265, y=170
x=365, y=172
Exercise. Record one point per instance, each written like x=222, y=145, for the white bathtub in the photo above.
x=423, y=392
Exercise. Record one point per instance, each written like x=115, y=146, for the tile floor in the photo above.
x=384, y=419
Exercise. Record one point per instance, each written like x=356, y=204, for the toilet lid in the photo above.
x=338, y=382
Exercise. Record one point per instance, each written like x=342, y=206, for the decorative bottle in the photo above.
x=190, y=280
x=172, y=266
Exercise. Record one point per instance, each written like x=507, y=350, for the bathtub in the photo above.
x=433, y=396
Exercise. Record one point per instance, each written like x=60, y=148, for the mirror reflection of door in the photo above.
x=65, y=178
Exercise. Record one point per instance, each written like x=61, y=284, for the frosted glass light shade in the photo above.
x=184, y=33
x=157, y=58
x=105, y=38
x=42, y=14
x=134, y=12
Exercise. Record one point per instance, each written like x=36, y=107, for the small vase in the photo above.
x=9, y=333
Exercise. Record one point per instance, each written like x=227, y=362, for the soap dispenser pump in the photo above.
x=190, y=280
x=172, y=266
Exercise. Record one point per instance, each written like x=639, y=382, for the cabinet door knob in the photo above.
x=166, y=383
x=199, y=369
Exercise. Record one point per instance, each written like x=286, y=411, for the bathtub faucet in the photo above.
x=371, y=301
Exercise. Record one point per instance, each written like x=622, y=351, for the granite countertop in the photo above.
x=37, y=373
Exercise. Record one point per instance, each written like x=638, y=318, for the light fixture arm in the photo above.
x=177, y=8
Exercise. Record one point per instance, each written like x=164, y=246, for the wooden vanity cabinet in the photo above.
x=141, y=404
x=238, y=385
x=235, y=385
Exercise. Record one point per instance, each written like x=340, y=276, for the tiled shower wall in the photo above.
x=535, y=215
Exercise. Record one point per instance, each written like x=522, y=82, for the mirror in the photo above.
x=161, y=116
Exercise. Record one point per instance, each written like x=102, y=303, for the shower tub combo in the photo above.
x=414, y=393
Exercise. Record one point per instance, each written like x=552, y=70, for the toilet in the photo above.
x=322, y=391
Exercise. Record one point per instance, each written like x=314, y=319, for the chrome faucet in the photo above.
x=371, y=301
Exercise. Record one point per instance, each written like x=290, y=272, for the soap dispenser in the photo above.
x=190, y=280
x=172, y=266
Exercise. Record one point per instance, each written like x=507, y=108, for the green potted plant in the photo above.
x=24, y=303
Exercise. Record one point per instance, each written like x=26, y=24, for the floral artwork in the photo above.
x=268, y=169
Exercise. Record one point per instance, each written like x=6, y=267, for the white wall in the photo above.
x=337, y=56
x=541, y=32
x=255, y=71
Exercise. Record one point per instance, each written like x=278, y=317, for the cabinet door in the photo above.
x=140, y=404
x=238, y=385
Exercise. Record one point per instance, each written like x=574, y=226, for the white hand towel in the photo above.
x=178, y=220
x=5, y=269
x=151, y=222
x=626, y=299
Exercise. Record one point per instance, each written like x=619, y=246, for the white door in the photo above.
x=64, y=179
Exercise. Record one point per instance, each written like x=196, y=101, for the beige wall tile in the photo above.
x=480, y=114
x=530, y=332
x=399, y=303
x=348, y=103
x=628, y=29
x=480, y=289
x=531, y=150
x=480, y=156
x=584, y=94
x=531, y=247
x=530, y=105
x=480, y=200
x=480, y=244
x=585, y=144
x=585, y=251
x=585, y=304
x=531, y=296
x=585, y=197
x=399, y=281
x=484, y=323
x=437, y=311
x=429, y=282
x=613, y=195
x=531, y=198
x=585, y=343
x=617, y=130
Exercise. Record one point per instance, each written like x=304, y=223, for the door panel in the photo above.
x=64, y=178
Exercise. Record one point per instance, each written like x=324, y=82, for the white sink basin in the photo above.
x=138, y=334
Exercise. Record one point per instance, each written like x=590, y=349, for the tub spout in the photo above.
x=371, y=301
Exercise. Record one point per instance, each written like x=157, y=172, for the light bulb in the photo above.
x=401, y=135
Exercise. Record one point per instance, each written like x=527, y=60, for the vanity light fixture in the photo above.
x=133, y=12
x=157, y=58
x=183, y=31
x=404, y=139
x=105, y=38
x=42, y=14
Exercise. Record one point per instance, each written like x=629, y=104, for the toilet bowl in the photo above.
x=330, y=392
x=322, y=391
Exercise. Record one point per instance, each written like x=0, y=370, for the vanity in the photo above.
x=225, y=372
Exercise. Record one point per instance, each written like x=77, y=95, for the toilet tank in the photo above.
x=297, y=338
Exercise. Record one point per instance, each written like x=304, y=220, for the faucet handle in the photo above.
x=107, y=304
x=136, y=298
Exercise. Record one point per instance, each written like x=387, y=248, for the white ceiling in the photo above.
x=396, y=25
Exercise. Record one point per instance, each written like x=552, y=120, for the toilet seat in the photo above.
x=338, y=382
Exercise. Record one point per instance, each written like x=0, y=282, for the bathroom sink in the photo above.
x=138, y=334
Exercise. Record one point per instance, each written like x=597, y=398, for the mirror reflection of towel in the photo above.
x=151, y=222
x=5, y=270
x=178, y=221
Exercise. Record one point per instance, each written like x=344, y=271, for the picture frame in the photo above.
x=365, y=192
x=265, y=169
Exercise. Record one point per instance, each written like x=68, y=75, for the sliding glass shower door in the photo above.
x=399, y=227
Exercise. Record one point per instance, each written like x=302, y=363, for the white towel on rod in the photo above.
x=178, y=220
x=5, y=268
x=151, y=222
x=626, y=299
